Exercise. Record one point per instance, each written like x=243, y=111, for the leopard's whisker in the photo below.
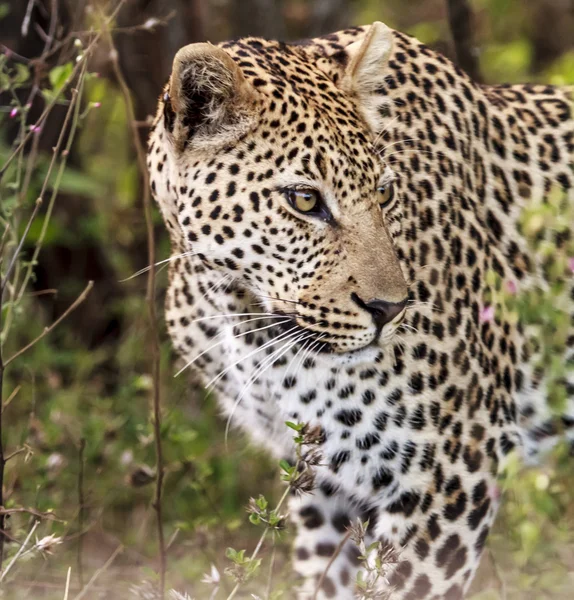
x=292, y=361
x=404, y=151
x=281, y=337
x=317, y=342
x=237, y=315
x=409, y=327
x=157, y=264
x=423, y=305
x=222, y=333
x=406, y=141
x=276, y=355
x=211, y=288
x=280, y=299
x=385, y=129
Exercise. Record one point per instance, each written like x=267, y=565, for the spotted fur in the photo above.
x=416, y=413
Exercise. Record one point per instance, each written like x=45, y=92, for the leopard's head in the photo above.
x=264, y=167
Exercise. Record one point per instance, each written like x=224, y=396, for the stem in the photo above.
x=81, y=504
x=73, y=109
x=47, y=330
x=262, y=538
x=2, y=459
x=20, y=244
x=56, y=98
x=20, y=551
x=67, y=591
x=331, y=561
x=101, y=570
x=152, y=314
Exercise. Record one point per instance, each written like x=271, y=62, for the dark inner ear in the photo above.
x=198, y=101
x=209, y=97
x=168, y=113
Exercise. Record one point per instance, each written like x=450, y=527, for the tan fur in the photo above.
x=206, y=69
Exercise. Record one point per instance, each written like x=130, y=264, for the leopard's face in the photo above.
x=280, y=190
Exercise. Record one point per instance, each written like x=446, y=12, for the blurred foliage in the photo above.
x=65, y=390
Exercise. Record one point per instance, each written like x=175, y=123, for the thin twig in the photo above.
x=81, y=509
x=263, y=535
x=30, y=511
x=6, y=278
x=2, y=459
x=152, y=314
x=11, y=397
x=48, y=329
x=98, y=573
x=48, y=109
x=3, y=240
x=74, y=114
x=19, y=553
x=331, y=561
x=270, y=574
x=68, y=576
x=14, y=454
x=27, y=17
x=49, y=39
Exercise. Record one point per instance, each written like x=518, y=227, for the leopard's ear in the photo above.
x=208, y=100
x=367, y=59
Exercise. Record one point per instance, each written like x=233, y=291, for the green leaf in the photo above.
x=22, y=74
x=58, y=75
x=295, y=426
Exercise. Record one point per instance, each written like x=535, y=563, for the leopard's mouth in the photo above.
x=304, y=335
x=321, y=342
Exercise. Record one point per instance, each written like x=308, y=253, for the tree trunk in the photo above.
x=461, y=26
x=262, y=18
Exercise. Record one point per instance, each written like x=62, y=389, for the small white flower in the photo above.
x=213, y=578
x=46, y=544
x=150, y=23
x=177, y=596
x=55, y=461
x=127, y=458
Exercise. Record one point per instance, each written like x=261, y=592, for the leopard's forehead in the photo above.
x=304, y=118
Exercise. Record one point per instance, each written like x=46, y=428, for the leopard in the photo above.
x=334, y=207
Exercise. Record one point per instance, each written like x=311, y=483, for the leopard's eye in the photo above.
x=305, y=201
x=386, y=194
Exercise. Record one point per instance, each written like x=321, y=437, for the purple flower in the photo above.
x=486, y=314
x=571, y=263
x=13, y=112
x=511, y=287
x=494, y=492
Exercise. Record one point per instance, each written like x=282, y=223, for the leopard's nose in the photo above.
x=383, y=312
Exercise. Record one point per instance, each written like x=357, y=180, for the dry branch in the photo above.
x=81, y=512
x=30, y=511
x=338, y=551
x=152, y=314
x=49, y=328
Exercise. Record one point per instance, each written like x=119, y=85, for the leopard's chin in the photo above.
x=372, y=353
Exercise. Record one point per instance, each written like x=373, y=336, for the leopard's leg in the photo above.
x=434, y=536
x=323, y=554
